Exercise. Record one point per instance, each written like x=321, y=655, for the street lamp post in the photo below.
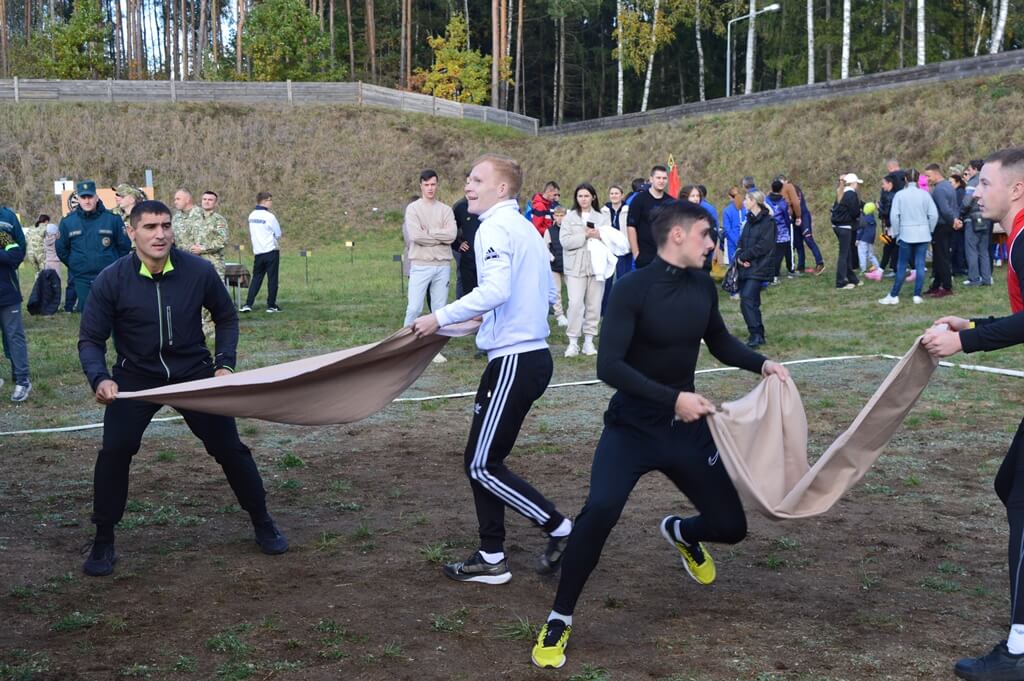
x=774, y=7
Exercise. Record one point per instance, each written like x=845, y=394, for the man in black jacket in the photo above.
x=650, y=342
x=1000, y=195
x=151, y=302
x=466, y=223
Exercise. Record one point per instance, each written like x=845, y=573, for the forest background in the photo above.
x=559, y=60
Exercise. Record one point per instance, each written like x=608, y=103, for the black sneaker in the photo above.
x=269, y=538
x=273, y=308
x=100, y=562
x=551, y=559
x=245, y=308
x=998, y=665
x=476, y=569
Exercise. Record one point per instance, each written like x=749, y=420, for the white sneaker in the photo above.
x=562, y=320
x=918, y=300
x=848, y=287
x=439, y=359
x=572, y=350
x=588, y=347
x=21, y=392
x=889, y=300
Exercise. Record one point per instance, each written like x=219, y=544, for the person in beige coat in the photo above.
x=585, y=285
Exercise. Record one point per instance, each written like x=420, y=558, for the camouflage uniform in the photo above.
x=125, y=189
x=211, y=233
x=36, y=252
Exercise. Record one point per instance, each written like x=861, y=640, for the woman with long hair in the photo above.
x=755, y=263
x=586, y=285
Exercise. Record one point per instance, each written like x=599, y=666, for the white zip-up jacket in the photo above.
x=515, y=285
x=264, y=230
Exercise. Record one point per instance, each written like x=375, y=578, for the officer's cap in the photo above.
x=86, y=188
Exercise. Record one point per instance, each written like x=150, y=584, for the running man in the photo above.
x=1000, y=196
x=513, y=294
x=650, y=340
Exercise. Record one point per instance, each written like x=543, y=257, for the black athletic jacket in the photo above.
x=156, y=321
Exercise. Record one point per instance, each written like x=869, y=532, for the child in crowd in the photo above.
x=551, y=238
x=866, y=228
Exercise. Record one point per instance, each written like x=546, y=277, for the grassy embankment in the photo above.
x=330, y=166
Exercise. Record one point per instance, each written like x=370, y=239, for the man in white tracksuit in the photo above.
x=514, y=292
x=265, y=232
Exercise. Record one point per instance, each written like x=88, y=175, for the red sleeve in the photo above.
x=541, y=217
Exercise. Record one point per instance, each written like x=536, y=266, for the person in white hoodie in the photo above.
x=514, y=291
x=587, y=238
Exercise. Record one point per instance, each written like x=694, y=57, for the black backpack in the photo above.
x=45, y=296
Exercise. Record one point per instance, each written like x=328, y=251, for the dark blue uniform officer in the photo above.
x=91, y=237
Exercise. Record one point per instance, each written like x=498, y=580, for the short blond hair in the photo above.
x=507, y=168
x=559, y=210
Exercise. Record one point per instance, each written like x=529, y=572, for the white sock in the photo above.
x=493, y=558
x=559, y=616
x=677, y=532
x=562, y=530
x=589, y=340
x=1015, y=641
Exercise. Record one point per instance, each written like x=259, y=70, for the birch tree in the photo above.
x=1000, y=28
x=650, y=59
x=700, y=47
x=748, y=86
x=844, y=65
x=920, y=33
x=810, y=42
x=618, y=56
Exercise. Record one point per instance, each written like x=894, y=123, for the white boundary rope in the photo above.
x=814, y=360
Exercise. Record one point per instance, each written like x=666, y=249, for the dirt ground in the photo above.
x=902, y=577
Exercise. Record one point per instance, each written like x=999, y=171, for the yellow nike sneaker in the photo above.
x=696, y=559
x=551, y=642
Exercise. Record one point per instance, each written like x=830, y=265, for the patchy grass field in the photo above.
x=902, y=577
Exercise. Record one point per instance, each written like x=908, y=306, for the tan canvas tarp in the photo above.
x=339, y=387
x=762, y=439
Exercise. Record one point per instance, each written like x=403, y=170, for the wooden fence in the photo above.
x=973, y=67
x=169, y=91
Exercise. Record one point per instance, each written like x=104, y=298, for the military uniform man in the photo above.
x=186, y=220
x=126, y=196
x=211, y=236
x=204, y=232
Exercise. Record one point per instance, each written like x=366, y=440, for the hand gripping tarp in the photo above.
x=339, y=387
x=762, y=439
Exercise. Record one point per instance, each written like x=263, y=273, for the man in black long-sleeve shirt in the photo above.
x=650, y=340
x=1000, y=195
x=151, y=302
x=942, y=238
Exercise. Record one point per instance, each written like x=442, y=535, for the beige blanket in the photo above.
x=762, y=439
x=339, y=387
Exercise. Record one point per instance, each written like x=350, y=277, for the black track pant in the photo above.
x=509, y=387
x=264, y=264
x=1010, y=489
x=686, y=454
x=124, y=422
x=942, y=258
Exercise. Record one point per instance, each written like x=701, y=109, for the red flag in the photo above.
x=674, y=183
